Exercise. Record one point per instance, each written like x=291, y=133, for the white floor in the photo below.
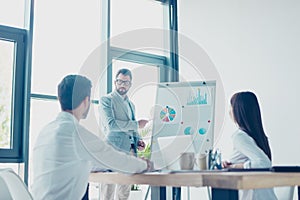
x=191, y=193
x=194, y=193
x=134, y=195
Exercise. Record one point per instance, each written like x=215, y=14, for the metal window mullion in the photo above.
x=173, y=23
x=105, y=35
x=137, y=57
x=11, y=32
x=18, y=96
x=28, y=24
x=45, y=97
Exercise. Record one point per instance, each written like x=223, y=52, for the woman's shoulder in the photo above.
x=240, y=135
x=239, y=132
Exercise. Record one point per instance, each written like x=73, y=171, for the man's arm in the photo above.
x=109, y=121
x=104, y=156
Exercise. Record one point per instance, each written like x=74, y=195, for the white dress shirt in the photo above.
x=64, y=154
x=245, y=150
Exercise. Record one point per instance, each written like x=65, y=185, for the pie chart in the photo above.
x=189, y=130
x=167, y=114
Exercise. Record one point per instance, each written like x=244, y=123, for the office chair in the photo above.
x=12, y=187
x=285, y=193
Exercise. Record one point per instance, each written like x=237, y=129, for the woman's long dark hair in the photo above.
x=246, y=113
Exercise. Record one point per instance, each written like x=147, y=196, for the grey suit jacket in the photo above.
x=119, y=127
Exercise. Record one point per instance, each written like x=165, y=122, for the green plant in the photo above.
x=4, y=127
x=146, y=153
x=145, y=131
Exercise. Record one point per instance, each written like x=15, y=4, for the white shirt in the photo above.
x=64, y=155
x=245, y=150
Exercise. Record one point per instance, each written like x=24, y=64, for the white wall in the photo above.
x=255, y=45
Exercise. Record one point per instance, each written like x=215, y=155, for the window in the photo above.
x=42, y=112
x=6, y=71
x=144, y=40
x=12, y=81
x=15, y=59
x=65, y=33
x=143, y=89
x=63, y=43
x=12, y=13
x=135, y=15
x=126, y=29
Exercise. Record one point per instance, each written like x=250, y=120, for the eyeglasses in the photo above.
x=120, y=82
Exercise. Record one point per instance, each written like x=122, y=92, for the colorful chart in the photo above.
x=202, y=131
x=197, y=99
x=167, y=114
x=189, y=130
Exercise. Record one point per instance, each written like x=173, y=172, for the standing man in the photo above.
x=120, y=127
x=65, y=152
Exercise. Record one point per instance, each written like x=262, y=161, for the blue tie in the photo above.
x=135, y=142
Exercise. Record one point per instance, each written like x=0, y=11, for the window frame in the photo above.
x=168, y=72
x=134, y=57
x=18, y=36
x=169, y=65
x=112, y=53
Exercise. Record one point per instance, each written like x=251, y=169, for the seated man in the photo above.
x=65, y=152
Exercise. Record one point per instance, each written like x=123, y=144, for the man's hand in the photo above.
x=226, y=164
x=150, y=165
x=142, y=123
x=238, y=165
x=141, y=145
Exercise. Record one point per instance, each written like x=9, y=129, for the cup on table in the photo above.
x=201, y=161
x=187, y=160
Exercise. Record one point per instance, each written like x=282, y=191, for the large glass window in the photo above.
x=65, y=33
x=12, y=81
x=6, y=71
x=42, y=112
x=15, y=56
x=12, y=13
x=130, y=15
x=138, y=33
x=143, y=89
x=142, y=92
x=135, y=14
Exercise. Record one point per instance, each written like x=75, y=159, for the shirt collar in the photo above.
x=68, y=116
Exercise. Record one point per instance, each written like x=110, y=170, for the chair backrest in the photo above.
x=285, y=193
x=12, y=186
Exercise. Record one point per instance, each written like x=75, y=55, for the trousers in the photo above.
x=114, y=192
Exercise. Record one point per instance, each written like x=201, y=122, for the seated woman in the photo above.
x=250, y=144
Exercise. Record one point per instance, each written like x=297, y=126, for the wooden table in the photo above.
x=225, y=185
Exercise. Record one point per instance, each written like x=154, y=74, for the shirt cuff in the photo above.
x=247, y=165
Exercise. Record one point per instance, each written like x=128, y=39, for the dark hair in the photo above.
x=72, y=90
x=246, y=113
x=125, y=72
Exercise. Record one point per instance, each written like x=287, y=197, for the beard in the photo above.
x=84, y=115
x=122, y=91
